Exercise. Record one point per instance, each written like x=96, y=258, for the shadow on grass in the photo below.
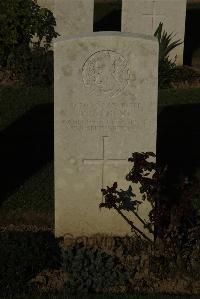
x=26, y=146
x=178, y=139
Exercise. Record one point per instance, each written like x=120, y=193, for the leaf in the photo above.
x=115, y=185
x=164, y=40
x=151, y=154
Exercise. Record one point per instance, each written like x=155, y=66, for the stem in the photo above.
x=136, y=214
x=131, y=224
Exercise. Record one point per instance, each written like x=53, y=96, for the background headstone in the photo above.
x=105, y=97
x=72, y=16
x=144, y=16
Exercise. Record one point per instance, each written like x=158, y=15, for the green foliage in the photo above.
x=32, y=66
x=165, y=44
x=92, y=270
x=166, y=73
x=21, y=21
x=166, y=66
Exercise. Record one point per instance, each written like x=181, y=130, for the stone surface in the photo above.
x=143, y=16
x=105, y=109
x=72, y=16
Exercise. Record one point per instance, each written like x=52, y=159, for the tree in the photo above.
x=20, y=20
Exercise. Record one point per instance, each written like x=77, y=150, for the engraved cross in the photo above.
x=103, y=160
x=153, y=16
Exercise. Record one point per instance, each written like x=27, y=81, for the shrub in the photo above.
x=166, y=73
x=165, y=44
x=167, y=193
x=20, y=22
x=175, y=219
x=92, y=270
x=166, y=66
x=122, y=200
x=32, y=67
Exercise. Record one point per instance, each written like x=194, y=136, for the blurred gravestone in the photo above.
x=72, y=16
x=143, y=16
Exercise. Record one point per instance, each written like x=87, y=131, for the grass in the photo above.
x=33, y=202
x=172, y=97
x=16, y=100
x=32, y=198
x=168, y=97
x=26, y=125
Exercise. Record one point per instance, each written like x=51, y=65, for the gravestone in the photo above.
x=105, y=93
x=144, y=16
x=72, y=16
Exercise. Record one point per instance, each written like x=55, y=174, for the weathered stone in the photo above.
x=73, y=17
x=144, y=16
x=105, y=109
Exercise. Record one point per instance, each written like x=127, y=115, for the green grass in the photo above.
x=33, y=201
x=170, y=97
x=17, y=100
x=35, y=195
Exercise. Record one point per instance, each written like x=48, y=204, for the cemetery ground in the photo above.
x=27, y=147
x=27, y=245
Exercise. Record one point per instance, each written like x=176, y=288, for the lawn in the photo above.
x=16, y=101
x=27, y=176
x=26, y=132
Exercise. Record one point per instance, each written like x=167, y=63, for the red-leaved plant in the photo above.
x=160, y=190
x=144, y=173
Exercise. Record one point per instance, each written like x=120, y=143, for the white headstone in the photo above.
x=72, y=16
x=105, y=109
x=144, y=16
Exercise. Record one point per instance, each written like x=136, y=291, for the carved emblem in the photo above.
x=105, y=73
